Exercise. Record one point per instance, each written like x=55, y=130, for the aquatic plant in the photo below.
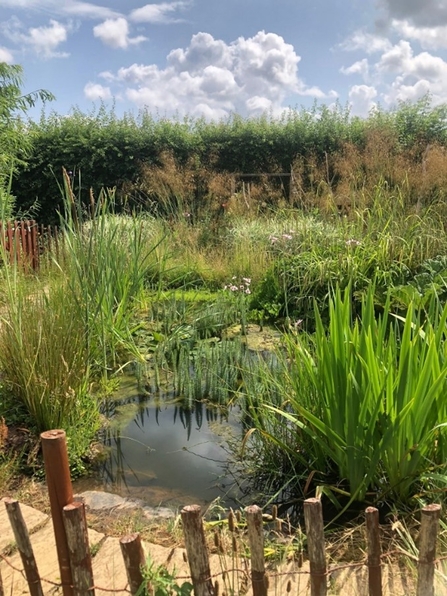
x=362, y=402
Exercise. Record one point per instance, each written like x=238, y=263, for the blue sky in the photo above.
x=214, y=57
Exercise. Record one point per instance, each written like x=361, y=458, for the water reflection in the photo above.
x=165, y=454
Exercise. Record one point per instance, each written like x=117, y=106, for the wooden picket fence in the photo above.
x=75, y=561
x=25, y=241
x=82, y=581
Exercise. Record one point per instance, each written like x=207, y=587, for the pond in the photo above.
x=166, y=455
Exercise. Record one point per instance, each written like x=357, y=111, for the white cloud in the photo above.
x=396, y=59
x=361, y=99
x=159, y=13
x=402, y=61
x=73, y=8
x=428, y=37
x=398, y=74
x=361, y=67
x=368, y=42
x=399, y=91
x=44, y=40
x=6, y=56
x=212, y=78
x=202, y=51
x=115, y=33
x=95, y=91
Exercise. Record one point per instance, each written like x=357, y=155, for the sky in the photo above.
x=212, y=58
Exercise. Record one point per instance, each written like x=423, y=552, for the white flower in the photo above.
x=353, y=242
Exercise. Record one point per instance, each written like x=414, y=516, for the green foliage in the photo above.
x=335, y=158
x=365, y=399
x=106, y=261
x=158, y=581
x=44, y=365
x=15, y=141
x=381, y=245
x=188, y=353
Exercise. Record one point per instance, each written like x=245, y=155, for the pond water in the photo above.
x=165, y=455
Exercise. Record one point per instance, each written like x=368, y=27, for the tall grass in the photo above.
x=44, y=361
x=60, y=334
x=365, y=400
x=106, y=261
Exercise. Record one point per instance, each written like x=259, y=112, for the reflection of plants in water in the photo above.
x=185, y=416
x=116, y=468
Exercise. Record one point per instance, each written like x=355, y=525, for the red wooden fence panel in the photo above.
x=24, y=241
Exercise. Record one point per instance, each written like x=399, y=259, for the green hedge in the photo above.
x=102, y=149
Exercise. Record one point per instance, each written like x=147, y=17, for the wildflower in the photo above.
x=287, y=236
x=352, y=242
x=234, y=288
x=246, y=280
x=248, y=291
x=297, y=324
x=273, y=239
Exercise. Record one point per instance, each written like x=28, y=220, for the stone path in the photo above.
x=110, y=575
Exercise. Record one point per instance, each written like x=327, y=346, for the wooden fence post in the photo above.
x=60, y=492
x=134, y=559
x=313, y=518
x=9, y=244
x=17, y=244
x=197, y=551
x=256, y=540
x=427, y=549
x=34, y=242
x=374, y=552
x=24, y=545
x=79, y=549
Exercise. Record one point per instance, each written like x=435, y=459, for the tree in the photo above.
x=14, y=140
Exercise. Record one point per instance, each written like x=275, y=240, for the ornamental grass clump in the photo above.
x=366, y=399
x=44, y=360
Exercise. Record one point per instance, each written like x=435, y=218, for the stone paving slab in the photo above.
x=44, y=547
x=108, y=568
x=96, y=500
x=33, y=519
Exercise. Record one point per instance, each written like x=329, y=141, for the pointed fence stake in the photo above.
x=134, y=560
x=256, y=540
x=21, y=536
x=374, y=552
x=197, y=551
x=313, y=518
x=427, y=549
x=80, y=558
x=60, y=492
